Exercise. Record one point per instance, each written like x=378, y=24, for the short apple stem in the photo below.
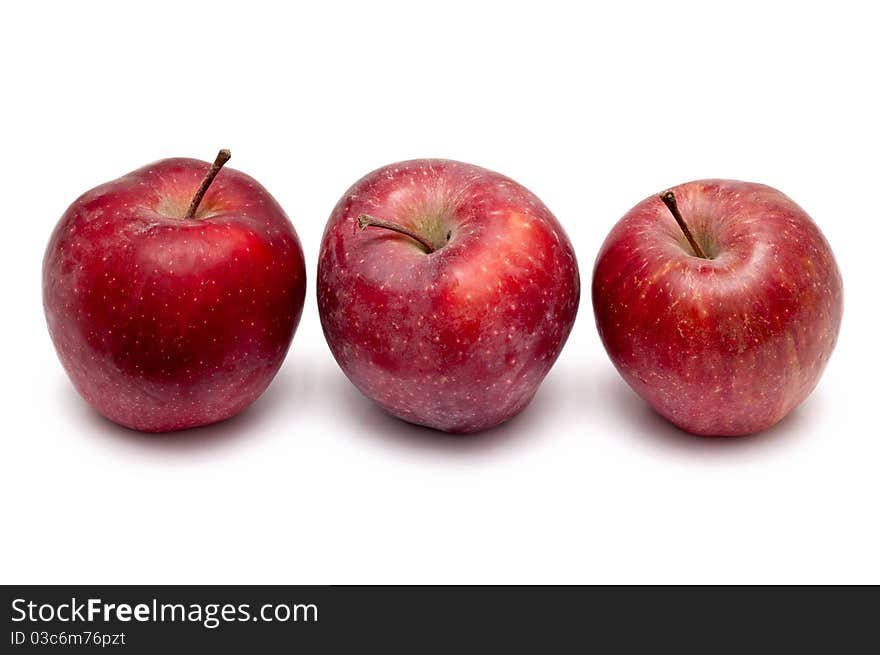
x=668, y=199
x=222, y=157
x=365, y=221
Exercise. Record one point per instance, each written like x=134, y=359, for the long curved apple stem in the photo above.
x=668, y=199
x=222, y=157
x=365, y=221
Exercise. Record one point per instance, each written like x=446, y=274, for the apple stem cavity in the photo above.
x=365, y=221
x=668, y=198
x=222, y=157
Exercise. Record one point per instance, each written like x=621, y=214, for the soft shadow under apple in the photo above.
x=369, y=420
x=648, y=426
x=283, y=390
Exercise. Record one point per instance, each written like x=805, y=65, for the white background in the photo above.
x=591, y=108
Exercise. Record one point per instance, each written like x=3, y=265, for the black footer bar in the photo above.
x=285, y=619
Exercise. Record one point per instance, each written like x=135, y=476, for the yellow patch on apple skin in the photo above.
x=175, y=193
x=794, y=362
x=517, y=222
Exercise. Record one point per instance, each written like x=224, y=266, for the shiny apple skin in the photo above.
x=728, y=345
x=164, y=323
x=459, y=339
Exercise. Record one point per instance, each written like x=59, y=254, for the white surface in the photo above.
x=593, y=109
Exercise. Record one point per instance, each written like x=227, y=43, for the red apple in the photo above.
x=172, y=295
x=721, y=309
x=446, y=292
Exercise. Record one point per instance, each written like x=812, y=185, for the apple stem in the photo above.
x=222, y=157
x=668, y=199
x=365, y=221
